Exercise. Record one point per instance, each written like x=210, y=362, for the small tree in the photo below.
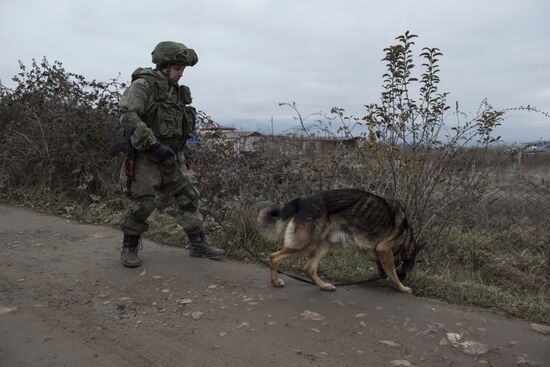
x=413, y=151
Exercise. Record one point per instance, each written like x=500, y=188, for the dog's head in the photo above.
x=407, y=257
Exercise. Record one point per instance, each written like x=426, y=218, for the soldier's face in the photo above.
x=176, y=72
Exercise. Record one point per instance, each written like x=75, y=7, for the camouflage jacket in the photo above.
x=154, y=109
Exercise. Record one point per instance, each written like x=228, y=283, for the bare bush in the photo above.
x=56, y=129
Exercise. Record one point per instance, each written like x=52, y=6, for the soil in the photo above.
x=65, y=300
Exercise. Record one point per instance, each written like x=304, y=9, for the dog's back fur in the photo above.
x=311, y=225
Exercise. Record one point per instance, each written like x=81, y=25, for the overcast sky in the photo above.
x=254, y=54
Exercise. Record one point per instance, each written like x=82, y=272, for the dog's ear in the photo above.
x=274, y=212
x=408, y=257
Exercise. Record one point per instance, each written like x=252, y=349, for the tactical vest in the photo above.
x=171, y=120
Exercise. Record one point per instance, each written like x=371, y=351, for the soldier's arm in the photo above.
x=133, y=103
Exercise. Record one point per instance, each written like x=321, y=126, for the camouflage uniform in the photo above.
x=155, y=112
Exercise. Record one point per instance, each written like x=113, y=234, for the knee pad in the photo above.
x=188, y=198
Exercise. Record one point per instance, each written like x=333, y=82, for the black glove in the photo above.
x=161, y=151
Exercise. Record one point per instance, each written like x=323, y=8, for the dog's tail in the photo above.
x=272, y=220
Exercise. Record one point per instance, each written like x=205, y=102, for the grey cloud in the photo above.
x=254, y=54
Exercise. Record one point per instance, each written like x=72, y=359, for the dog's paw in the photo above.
x=328, y=287
x=278, y=283
x=406, y=290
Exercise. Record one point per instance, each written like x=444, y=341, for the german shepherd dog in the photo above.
x=312, y=225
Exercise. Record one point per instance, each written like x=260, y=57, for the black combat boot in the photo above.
x=200, y=248
x=129, y=254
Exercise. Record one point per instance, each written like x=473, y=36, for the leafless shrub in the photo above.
x=56, y=129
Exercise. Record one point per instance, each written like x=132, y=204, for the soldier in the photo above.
x=157, y=120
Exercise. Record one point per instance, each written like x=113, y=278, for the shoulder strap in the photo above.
x=156, y=86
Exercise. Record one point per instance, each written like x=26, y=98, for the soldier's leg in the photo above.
x=134, y=221
x=190, y=219
x=140, y=204
x=187, y=213
x=187, y=209
x=164, y=198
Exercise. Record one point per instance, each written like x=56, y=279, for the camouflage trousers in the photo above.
x=155, y=186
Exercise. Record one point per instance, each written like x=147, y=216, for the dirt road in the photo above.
x=66, y=301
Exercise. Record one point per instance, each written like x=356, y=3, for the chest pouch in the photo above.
x=167, y=116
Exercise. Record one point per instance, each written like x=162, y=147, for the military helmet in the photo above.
x=173, y=53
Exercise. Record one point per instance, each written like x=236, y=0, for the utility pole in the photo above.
x=272, y=126
x=520, y=151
